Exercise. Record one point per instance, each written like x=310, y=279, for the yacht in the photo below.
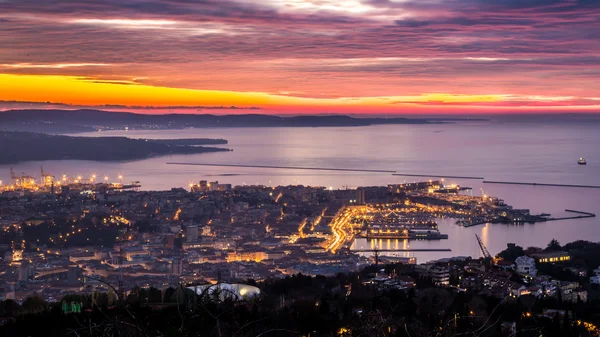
x=581, y=161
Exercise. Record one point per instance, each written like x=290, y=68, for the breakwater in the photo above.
x=394, y=173
x=285, y=167
x=537, y=184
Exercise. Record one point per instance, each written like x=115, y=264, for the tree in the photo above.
x=34, y=304
x=9, y=308
x=511, y=252
x=154, y=295
x=554, y=245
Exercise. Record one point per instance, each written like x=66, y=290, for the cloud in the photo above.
x=52, y=66
x=314, y=48
x=57, y=105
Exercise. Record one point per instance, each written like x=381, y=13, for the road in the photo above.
x=341, y=229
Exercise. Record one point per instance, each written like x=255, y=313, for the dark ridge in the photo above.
x=27, y=146
x=48, y=120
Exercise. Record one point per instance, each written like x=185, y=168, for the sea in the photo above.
x=540, y=150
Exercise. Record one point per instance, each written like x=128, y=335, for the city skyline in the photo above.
x=302, y=56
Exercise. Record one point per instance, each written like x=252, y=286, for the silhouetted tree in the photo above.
x=553, y=245
x=34, y=304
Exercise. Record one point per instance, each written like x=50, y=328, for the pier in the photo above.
x=436, y=175
x=537, y=184
x=402, y=250
x=535, y=219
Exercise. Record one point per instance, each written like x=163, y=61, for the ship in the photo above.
x=120, y=186
x=582, y=161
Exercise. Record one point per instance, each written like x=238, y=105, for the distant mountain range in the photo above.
x=70, y=121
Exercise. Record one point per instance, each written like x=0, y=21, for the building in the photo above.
x=526, y=265
x=360, y=196
x=17, y=255
x=191, y=233
x=226, y=290
x=551, y=257
x=202, y=186
x=128, y=254
x=574, y=295
x=256, y=256
x=26, y=272
x=596, y=278
x=205, y=186
x=440, y=276
x=176, y=267
x=207, y=231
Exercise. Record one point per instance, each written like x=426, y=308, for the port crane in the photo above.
x=484, y=251
x=21, y=182
x=47, y=179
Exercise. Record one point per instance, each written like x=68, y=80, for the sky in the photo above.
x=302, y=56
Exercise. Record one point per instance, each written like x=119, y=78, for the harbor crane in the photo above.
x=47, y=179
x=484, y=250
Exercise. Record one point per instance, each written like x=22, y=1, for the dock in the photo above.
x=537, y=184
x=535, y=219
x=436, y=176
x=402, y=250
x=401, y=237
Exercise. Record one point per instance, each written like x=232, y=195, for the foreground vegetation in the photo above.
x=343, y=305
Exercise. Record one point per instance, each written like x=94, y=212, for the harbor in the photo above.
x=48, y=183
x=525, y=218
x=401, y=250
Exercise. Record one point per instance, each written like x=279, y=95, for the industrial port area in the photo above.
x=48, y=183
x=76, y=234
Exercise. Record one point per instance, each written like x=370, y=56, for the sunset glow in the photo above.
x=303, y=56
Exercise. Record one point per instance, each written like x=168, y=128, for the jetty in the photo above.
x=402, y=250
x=437, y=176
x=580, y=215
x=537, y=184
x=532, y=219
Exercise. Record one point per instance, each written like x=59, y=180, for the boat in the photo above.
x=582, y=161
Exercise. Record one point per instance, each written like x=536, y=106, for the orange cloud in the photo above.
x=84, y=91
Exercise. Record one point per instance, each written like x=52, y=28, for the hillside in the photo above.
x=27, y=146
